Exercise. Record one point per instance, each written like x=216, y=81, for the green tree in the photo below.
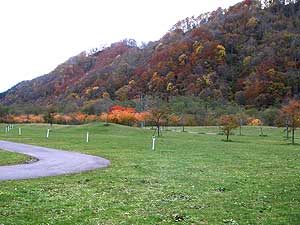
x=3, y=111
x=49, y=116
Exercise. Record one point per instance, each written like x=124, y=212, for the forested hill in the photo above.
x=248, y=54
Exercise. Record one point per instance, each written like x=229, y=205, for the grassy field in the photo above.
x=191, y=178
x=11, y=158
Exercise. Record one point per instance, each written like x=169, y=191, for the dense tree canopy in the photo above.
x=248, y=54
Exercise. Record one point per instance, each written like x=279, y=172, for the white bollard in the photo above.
x=87, y=137
x=48, y=132
x=20, y=131
x=153, y=143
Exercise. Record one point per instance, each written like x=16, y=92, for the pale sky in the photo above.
x=37, y=35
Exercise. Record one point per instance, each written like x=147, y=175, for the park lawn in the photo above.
x=11, y=158
x=190, y=178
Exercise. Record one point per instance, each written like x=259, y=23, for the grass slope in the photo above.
x=190, y=178
x=11, y=158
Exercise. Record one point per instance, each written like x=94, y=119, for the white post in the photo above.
x=48, y=132
x=6, y=129
x=87, y=137
x=153, y=143
x=20, y=131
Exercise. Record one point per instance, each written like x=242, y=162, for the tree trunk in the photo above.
x=227, y=137
x=298, y=86
x=261, y=131
x=182, y=122
x=241, y=124
x=293, y=135
x=287, y=130
x=106, y=120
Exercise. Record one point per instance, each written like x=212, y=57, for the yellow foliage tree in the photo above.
x=252, y=22
x=257, y=122
x=182, y=59
x=221, y=53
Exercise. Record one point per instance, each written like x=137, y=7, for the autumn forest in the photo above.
x=243, y=60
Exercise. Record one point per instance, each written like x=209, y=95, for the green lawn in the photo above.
x=191, y=178
x=10, y=158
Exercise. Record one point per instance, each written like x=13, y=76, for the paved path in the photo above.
x=50, y=162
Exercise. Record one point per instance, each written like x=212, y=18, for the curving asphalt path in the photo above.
x=51, y=162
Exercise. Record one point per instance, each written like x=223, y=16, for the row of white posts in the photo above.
x=86, y=139
x=8, y=128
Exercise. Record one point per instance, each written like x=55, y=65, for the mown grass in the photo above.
x=11, y=158
x=190, y=178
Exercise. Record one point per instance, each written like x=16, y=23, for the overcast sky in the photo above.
x=37, y=35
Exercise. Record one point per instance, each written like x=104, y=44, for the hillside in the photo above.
x=248, y=54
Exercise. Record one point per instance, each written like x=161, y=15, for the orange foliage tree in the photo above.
x=74, y=118
x=157, y=117
x=92, y=118
x=257, y=122
x=292, y=114
x=36, y=118
x=228, y=123
x=142, y=117
x=79, y=117
x=104, y=117
x=174, y=120
x=62, y=119
x=23, y=118
x=120, y=115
